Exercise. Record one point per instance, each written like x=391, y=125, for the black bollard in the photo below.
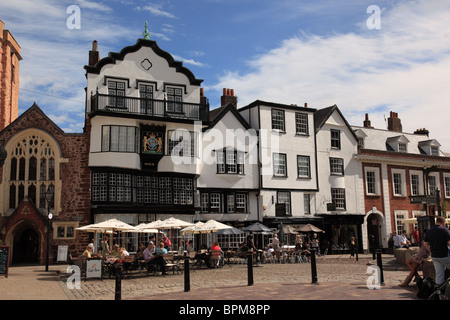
x=118, y=291
x=250, y=267
x=313, y=267
x=187, y=280
x=380, y=266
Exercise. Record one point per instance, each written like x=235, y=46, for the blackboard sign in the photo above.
x=4, y=260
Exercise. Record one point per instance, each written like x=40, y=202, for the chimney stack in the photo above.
x=366, y=122
x=394, y=122
x=203, y=99
x=228, y=97
x=422, y=131
x=94, y=55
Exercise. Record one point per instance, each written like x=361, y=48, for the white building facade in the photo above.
x=288, y=177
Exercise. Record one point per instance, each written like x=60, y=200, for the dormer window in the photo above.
x=397, y=144
x=430, y=147
x=360, y=135
x=402, y=147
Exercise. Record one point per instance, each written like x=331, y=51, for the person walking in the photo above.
x=352, y=247
x=437, y=241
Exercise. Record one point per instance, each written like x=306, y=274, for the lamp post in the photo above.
x=48, y=197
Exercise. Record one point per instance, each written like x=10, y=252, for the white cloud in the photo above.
x=94, y=5
x=403, y=67
x=189, y=61
x=156, y=10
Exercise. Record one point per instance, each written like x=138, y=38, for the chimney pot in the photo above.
x=94, y=55
x=228, y=97
x=394, y=122
x=306, y=105
x=366, y=122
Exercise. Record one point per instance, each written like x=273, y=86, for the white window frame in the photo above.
x=280, y=162
x=402, y=182
x=420, y=186
x=435, y=176
x=446, y=185
x=376, y=172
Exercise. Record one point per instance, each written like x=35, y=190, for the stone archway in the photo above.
x=26, y=240
x=26, y=247
x=374, y=231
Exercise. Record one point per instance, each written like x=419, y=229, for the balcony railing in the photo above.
x=150, y=107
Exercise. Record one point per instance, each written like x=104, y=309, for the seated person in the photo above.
x=160, y=250
x=152, y=259
x=89, y=250
x=140, y=251
x=116, y=252
x=190, y=246
x=123, y=253
x=242, y=252
x=269, y=251
x=306, y=252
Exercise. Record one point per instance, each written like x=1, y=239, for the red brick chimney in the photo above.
x=394, y=122
x=94, y=55
x=228, y=97
x=203, y=99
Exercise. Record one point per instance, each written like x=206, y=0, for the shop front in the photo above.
x=339, y=229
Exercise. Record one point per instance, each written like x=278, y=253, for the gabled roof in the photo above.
x=276, y=105
x=115, y=56
x=400, y=139
x=321, y=116
x=216, y=115
x=26, y=113
x=431, y=142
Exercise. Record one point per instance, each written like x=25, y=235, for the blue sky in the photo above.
x=320, y=52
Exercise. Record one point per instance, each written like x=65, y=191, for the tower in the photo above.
x=9, y=77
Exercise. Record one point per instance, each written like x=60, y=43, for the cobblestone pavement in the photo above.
x=338, y=278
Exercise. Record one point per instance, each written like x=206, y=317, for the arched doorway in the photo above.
x=374, y=223
x=26, y=246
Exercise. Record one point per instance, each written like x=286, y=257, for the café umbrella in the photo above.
x=108, y=226
x=171, y=224
x=309, y=228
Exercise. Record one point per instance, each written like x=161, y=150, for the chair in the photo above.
x=215, y=258
x=130, y=264
x=170, y=263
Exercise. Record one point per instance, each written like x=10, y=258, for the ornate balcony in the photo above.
x=150, y=107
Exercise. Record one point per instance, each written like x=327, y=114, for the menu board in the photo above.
x=4, y=260
x=94, y=268
x=62, y=253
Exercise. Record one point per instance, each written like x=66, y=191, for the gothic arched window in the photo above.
x=33, y=169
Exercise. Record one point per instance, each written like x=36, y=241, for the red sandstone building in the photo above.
x=39, y=157
x=395, y=166
x=9, y=76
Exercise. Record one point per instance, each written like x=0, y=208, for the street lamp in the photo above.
x=48, y=197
